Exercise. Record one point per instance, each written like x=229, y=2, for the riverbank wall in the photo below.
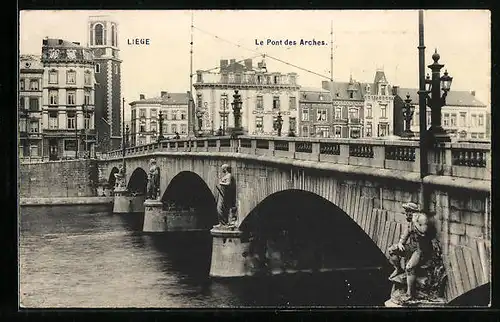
x=56, y=179
x=56, y=201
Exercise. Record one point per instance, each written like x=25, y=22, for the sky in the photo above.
x=364, y=40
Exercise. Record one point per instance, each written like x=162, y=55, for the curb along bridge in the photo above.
x=340, y=199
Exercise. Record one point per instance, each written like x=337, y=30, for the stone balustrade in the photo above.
x=465, y=160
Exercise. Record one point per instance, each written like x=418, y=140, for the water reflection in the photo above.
x=71, y=257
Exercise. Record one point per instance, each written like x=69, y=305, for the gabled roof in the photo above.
x=454, y=98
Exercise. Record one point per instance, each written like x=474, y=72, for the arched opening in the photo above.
x=479, y=296
x=99, y=34
x=188, y=192
x=296, y=231
x=138, y=182
x=113, y=38
x=112, y=179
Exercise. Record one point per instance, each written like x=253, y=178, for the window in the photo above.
x=276, y=79
x=142, y=112
x=259, y=123
x=276, y=102
x=71, y=98
x=462, y=118
x=383, y=110
x=34, y=150
x=87, y=121
x=153, y=126
x=323, y=131
x=53, y=121
x=353, y=113
x=463, y=135
x=368, y=130
x=260, y=102
x=293, y=103
x=383, y=90
x=293, y=124
x=480, y=119
x=22, y=125
x=34, y=124
x=369, y=111
x=367, y=89
x=305, y=130
x=338, y=113
x=183, y=128
x=174, y=115
x=21, y=103
x=21, y=84
x=351, y=95
x=453, y=119
x=474, y=119
x=383, y=130
x=34, y=104
x=70, y=145
x=154, y=113
x=70, y=77
x=259, y=79
x=53, y=79
x=305, y=114
x=71, y=117
x=99, y=34
x=321, y=115
x=97, y=68
x=338, y=132
x=174, y=128
x=446, y=119
x=113, y=43
x=86, y=78
x=355, y=133
x=183, y=115
x=53, y=97
x=237, y=78
x=142, y=127
x=86, y=97
x=200, y=101
x=34, y=85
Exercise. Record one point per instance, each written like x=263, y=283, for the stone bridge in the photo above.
x=341, y=194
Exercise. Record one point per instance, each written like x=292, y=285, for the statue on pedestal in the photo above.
x=153, y=180
x=120, y=178
x=419, y=273
x=226, y=198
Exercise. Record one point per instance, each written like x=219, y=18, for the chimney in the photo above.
x=395, y=90
x=60, y=41
x=248, y=64
x=473, y=93
x=141, y=96
x=223, y=63
x=163, y=93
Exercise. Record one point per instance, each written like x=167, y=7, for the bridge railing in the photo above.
x=466, y=160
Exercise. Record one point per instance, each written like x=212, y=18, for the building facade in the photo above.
x=30, y=107
x=463, y=116
x=264, y=94
x=145, y=112
x=103, y=41
x=67, y=100
x=316, y=117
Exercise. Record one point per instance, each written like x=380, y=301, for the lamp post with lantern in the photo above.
x=408, y=111
x=278, y=125
x=160, y=120
x=199, y=115
x=436, y=100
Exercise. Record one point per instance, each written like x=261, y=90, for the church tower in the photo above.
x=103, y=41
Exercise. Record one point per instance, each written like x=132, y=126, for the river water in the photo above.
x=84, y=256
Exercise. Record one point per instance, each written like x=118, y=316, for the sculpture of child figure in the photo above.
x=415, y=247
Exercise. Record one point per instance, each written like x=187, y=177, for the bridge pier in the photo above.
x=154, y=217
x=125, y=203
x=173, y=219
x=228, y=253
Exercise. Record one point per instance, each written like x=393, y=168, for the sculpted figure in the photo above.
x=226, y=199
x=120, y=177
x=153, y=180
x=416, y=259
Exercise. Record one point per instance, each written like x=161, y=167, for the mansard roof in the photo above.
x=454, y=98
x=313, y=94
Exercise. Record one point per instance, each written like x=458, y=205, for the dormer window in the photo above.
x=53, y=77
x=368, y=89
x=320, y=97
x=276, y=79
x=351, y=95
x=383, y=90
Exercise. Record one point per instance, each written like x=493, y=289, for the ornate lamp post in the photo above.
x=236, y=104
x=435, y=100
x=278, y=125
x=199, y=115
x=408, y=110
x=127, y=136
x=160, y=119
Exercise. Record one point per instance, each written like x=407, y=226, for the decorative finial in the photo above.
x=436, y=56
x=407, y=96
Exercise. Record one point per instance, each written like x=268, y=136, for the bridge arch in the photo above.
x=111, y=177
x=187, y=190
x=138, y=181
x=300, y=229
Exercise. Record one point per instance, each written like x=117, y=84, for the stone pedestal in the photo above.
x=154, y=216
x=416, y=304
x=228, y=253
x=181, y=220
x=121, y=203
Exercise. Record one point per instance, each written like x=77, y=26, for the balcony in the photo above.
x=354, y=120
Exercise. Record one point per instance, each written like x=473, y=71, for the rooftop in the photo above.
x=454, y=98
x=165, y=99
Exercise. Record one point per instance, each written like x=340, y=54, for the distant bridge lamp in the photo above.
x=408, y=111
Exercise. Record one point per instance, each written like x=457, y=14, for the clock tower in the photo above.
x=103, y=41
